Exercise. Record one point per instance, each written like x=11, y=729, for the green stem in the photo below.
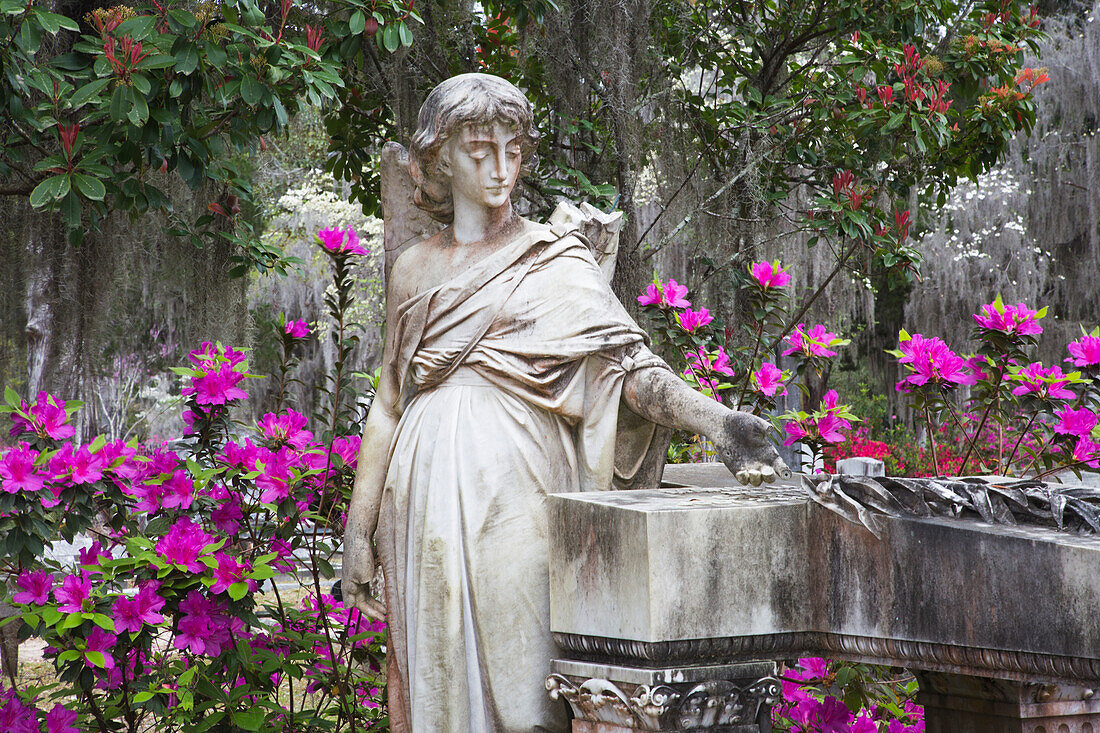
x=1023, y=433
x=932, y=441
x=981, y=425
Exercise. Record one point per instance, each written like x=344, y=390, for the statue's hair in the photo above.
x=477, y=99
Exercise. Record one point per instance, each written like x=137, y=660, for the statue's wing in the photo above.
x=404, y=222
x=599, y=229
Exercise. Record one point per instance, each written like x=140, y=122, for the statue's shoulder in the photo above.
x=406, y=273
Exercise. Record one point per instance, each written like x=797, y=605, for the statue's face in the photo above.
x=482, y=162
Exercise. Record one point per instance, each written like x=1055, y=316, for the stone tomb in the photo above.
x=672, y=605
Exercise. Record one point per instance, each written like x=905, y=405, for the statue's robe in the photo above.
x=509, y=380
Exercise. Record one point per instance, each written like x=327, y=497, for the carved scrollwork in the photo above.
x=679, y=707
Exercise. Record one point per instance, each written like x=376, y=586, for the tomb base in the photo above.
x=963, y=704
x=726, y=698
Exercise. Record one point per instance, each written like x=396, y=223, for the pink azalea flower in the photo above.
x=227, y=517
x=1075, y=422
x=177, y=491
x=930, y=360
x=1042, y=382
x=768, y=380
x=834, y=716
x=285, y=560
x=208, y=356
x=297, y=329
x=288, y=427
x=218, y=386
x=814, y=342
x=1016, y=319
x=78, y=466
x=15, y=717
x=91, y=555
x=274, y=482
x=48, y=418
x=769, y=275
x=815, y=667
x=1087, y=452
x=61, y=720
x=244, y=456
x=1085, y=351
x=17, y=471
x=341, y=241
x=829, y=428
x=126, y=615
x=864, y=724
x=690, y=320
x=119, y=459
x=183, y=544
x=795, y=432
x=203, y=627
x=228, y=572
x=73, y=592
x=101, y=641
x=667, y=295
x=34, y=587
x=348, y=449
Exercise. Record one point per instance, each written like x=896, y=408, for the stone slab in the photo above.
x=733, y=572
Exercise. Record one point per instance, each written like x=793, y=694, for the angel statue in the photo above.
x=510, y=371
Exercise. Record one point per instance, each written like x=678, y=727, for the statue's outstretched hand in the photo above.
x=743, y=445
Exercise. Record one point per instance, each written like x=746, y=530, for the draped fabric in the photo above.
x=509, y=380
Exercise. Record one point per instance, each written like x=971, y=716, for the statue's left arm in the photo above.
x=741, y=439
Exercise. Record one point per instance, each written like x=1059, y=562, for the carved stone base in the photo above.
x=728, y=698
x=963, y=704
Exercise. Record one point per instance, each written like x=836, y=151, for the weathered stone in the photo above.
x=715, y=575
x=964, y=704
x=861, y=466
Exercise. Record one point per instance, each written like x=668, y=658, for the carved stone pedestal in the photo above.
x=727, y=698
x=963, y=704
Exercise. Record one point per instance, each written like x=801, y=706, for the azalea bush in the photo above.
x=742, y=373
x=1020, y=417
x=202, y=602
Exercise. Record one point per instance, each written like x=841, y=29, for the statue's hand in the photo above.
x=357, y=572
x=742, y=443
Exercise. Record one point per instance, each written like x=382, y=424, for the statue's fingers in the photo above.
x=768, y=474
x=742, y=477
x=781, y=468
x=755, y=478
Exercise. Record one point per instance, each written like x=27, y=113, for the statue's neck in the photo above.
x=481, y=224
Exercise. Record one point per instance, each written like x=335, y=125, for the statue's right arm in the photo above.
x=359, y=559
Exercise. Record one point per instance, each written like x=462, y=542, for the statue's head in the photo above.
x=464, y=100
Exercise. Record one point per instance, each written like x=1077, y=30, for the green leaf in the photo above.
x=11, y=397
x=252, y=719
x=49, y=189
x=139, y=27
x=357, y=22
x=118, y=104
x=81, y=96
x=237, y=591
x=140, y=83
x=90, y=186
x=183, y=17
x=391, y=38
x=405, y=33
x=139, y=110
x=71, y=208
x=141, y=697
x=71, y=621
x=96, y=658
x=157, y=61
x=187, y=59
x=251, y=90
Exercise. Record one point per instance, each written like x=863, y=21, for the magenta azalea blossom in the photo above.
x=667, y=295
x=34, y=587
x=208, y=356
x=795, y=432
x=73, y=592
x=143, y=608
x=930, y=360
x=864, y=724
x=17, y=471
x=1075, y=422
x=814, y=667
x=77, y=466
x=834, y=716
x=227, y=517
x=228, y=572
x=177, y=491
x=297, y=329
x=348, y=449
x=1087, y=452
x=101, y=641
x=15, y=717
x=218, y=386
x=48, y=418
x=203, y=625
x=768, y=380
x=1014, y=320
x=690, y=320
x=1042, y=382
x=288, y=427
x=1085, y=351
x=769, y=275
x=285, y=560
x=830, y=427
x=701, y=365
x=183, y=544
x=341, y=241
x=61, y=720
x=814, y=342
x=274, y=482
